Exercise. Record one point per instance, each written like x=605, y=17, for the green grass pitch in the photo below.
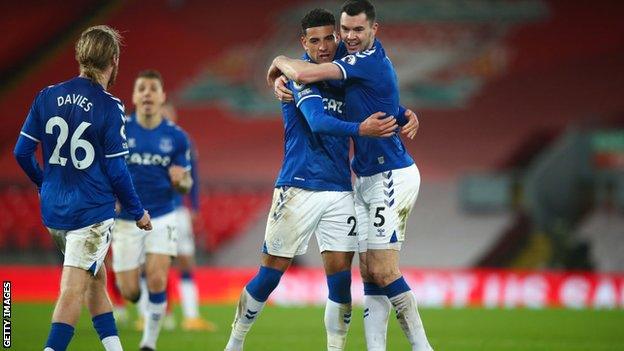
x=301, y=329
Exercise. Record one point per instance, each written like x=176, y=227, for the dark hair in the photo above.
x=317, y=18
x=355, y=7
x=151, y=74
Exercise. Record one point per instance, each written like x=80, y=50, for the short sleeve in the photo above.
x=32, y=125
x=357, y=66
x=115, y=143
x=182, y=156
x=302, y=92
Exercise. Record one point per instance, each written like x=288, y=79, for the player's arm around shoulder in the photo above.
x=301, y=71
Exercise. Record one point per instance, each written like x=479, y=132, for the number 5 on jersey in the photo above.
x=75, y=143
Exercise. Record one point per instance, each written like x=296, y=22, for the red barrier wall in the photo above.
x=433, y=288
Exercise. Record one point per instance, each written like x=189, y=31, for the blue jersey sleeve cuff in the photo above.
x=30, y=137
x=307, y=97
x=125, y=152
x=344, y=72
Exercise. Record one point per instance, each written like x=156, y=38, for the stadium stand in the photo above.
x=223, y=214
x=32, y=26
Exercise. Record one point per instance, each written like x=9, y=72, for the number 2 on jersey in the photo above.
x=75, y=143
x=352, y=232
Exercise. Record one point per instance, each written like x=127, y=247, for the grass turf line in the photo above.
x=301, y=329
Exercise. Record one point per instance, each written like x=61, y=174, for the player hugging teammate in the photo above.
x=313, y=192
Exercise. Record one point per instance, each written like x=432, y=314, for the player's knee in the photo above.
x=72, y=292
x=157, y=282
x=364, y=272
x=185, y=263
x=381, y=276
x=131, y=294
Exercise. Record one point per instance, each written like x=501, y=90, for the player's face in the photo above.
x=357, y=32
x=148, y=96
x=320, y=43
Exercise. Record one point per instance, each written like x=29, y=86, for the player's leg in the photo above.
x=389, y=211
x=156, y=272
x=377, y=308
x=384, y=271
x=160, y=247
x=96, y=297
x=101, y=310
x=254, y=297
x=337, y=239
x=169, y=321
x=119, y=308
x=84, y=251
x=338, y=306
x=128, y=248
x=141, y=304
x=67, y=309
x=289, y=227
x=189, y=295
x=376, y=305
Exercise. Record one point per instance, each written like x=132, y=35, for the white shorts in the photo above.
x=186, y=240
x=297, y=213
x=130, y=244
x=383, y=203
x=86, y=247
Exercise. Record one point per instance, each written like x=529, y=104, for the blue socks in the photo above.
x=263, y=284
x=158, y=297
x=104, y=324
x=186, y=275
x=395, y=288
x=339, y=286
x=60, y=336
x=373, y=289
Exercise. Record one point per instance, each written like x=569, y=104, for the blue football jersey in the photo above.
x=152, y=152
x=79, y=125
x=314, y=161
x=371, y=86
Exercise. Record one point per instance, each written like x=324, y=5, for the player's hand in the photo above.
x=411, y=128
x=176, y=174
x=378, y=125
x=282, y=93
x=273, y=74
x=117, y=207
x=145, y=222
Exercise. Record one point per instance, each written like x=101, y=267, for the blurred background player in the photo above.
x=79, y=183
x=313, y=193
x=387, y=185
x=159, y=162
x=189, y=295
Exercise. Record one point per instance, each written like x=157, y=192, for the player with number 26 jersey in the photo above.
x=79, y=125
